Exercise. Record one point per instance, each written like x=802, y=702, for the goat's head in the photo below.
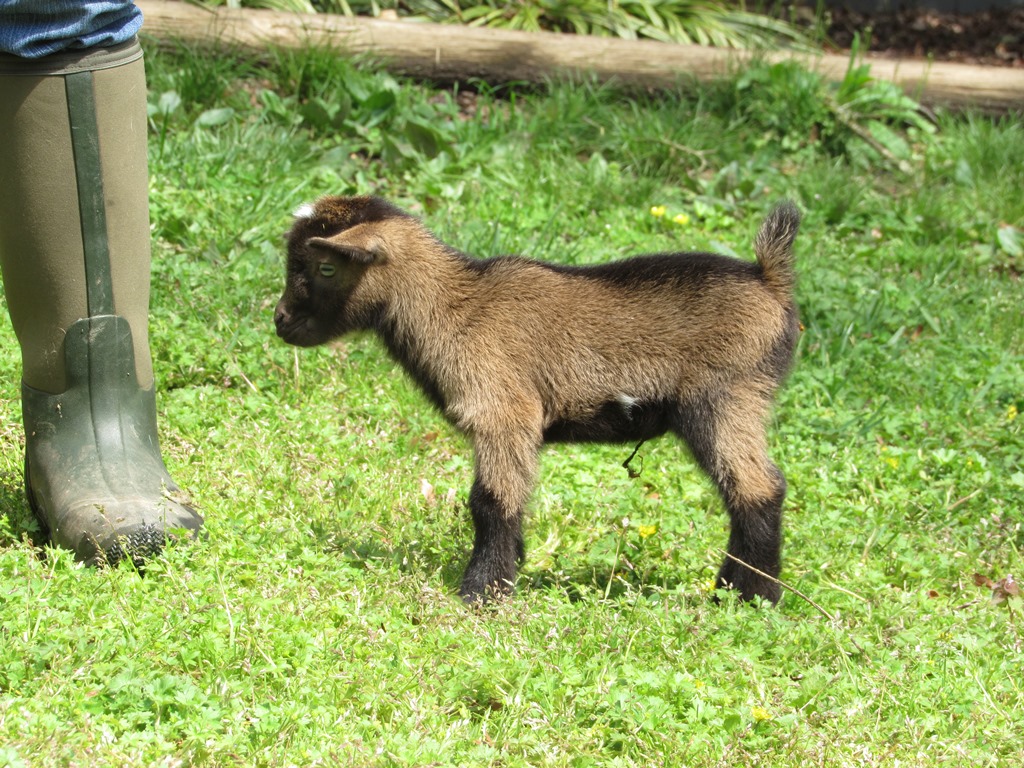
x=331, y=246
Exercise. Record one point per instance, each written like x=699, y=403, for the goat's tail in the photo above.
x=774, y=249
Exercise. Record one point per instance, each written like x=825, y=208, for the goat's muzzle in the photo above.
x=291, y=328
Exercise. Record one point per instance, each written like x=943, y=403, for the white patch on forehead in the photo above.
x=304, y=211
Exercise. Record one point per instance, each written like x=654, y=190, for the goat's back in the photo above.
x=649, y=326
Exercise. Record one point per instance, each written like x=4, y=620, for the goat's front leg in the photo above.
x=505, y=469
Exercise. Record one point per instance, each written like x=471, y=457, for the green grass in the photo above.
x=317, y=624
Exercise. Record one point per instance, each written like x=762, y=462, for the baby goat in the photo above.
x=517, y=353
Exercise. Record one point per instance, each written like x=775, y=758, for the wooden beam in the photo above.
x=454, y=52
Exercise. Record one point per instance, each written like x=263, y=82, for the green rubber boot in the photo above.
x=75, y=255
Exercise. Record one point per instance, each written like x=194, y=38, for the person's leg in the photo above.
x=75, y=256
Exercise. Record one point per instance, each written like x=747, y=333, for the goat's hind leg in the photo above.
x=727, y=437
x=504, y=477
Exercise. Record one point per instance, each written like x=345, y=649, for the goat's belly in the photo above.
x=619, y=420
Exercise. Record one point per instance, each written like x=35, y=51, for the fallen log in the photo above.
x=453, y=52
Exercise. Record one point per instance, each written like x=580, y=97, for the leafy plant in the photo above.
x=680, y=21
x=859, y=117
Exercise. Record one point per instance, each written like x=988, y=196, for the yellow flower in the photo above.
x=892, y=461
x=681, y=219
x=1011, y=412
x=646, y=531
x=760, y=714
x=657, y=211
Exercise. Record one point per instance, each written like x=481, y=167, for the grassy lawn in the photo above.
x=317, y=623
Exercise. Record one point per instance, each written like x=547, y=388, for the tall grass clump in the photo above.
x=317, y=623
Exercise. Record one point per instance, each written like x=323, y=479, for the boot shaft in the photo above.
x=74, y=216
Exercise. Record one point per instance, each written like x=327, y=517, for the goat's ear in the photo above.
x=366, y=252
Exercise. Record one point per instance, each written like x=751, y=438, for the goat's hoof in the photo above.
x=749, y=584
x=488, y=593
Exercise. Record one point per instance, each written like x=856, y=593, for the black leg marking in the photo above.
x=729, y=446
x=497, y=548
x=756, y=539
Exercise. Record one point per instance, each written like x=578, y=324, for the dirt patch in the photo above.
x=992, y=38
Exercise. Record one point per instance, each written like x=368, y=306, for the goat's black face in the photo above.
x=305, y=314
x=327, y=259
x=311, y=309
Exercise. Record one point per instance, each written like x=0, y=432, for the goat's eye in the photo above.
x=327, y=270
